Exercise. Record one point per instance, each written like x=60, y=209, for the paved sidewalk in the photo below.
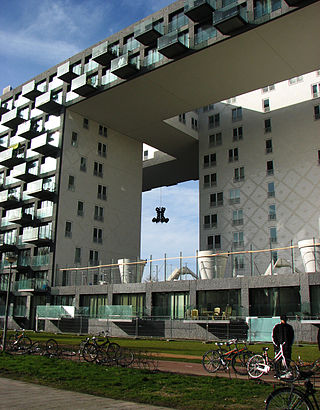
x=20, y=395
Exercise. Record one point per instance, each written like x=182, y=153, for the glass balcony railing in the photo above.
x=46, y=212
x=31, y=91
x=84, y=85
x=13, y=156
x=24, y=260
x=47, y=143
x=66, y=72
x=125, y=66
x=173, y=44
x=25, y=172
x=147, y=32
x=29, y=129
x=90, y=66
x=12, y=119
x=40, y=260
x=42, y=189
x=38, y=234
x=19, y=311
x=49, y=102
x=205, y=34
x=2, y=310
x=230, y=18
x=152, y=58
x=31, y=285
x=103, y=54
x=177, y=22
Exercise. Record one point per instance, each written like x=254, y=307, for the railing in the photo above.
x=31, y=284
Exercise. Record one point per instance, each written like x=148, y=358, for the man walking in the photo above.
x=283, y=334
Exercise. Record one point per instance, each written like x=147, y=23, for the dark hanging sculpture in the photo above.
x=160, y=216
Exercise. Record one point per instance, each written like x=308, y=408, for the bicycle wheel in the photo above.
x=52, y=347
x=211, y=361
x=255, y=366
x=240, y=361
x=286, y=398
x=126, y=358
x=24, y=345
x=89, y=352
x=12, y=342
x=113, y=352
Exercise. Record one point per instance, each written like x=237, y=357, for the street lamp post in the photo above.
x=11, y=259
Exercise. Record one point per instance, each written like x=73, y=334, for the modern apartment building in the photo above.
x=71, y=157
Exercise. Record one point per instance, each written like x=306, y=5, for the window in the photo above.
x=214, y=242
x=233, y=154
x=98, y=169
x=270, y=170
x=296, y=80
x=194, y=123
x=266, y=105
x=210, y=221
x=80, y=210
x=238, y=134
x=237, y=114
x=268, y=88
x=216, y=199
x=239, y=174
x=102, y=192
x=208, y=107
x=182, y=118
x=267, y=125
x=83, y=164
x=234, y=196
x=93, y=257
x=238, y=240
x=97, y=235
x=209, y=160
x=86, y=123
x=145, y=154
x=215, y=139
x=268, y=146
x=74, y=139
x=238, y=262
x=98, y=213
x=271, y=191
x=103, y=131
x=263, y=7
x=272, y=213
x=273, y=235
x=209, y=180
x=315, y=89
x=214, y=121
x=102, y=149
x=77, y=255
x=68, y=230
x=316, y=110
x=71, y=185
x=318, y=159
x=237, y=217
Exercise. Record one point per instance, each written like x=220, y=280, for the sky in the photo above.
x=36, y=35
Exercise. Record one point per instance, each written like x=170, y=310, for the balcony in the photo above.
x=199, y=10
x=8, y=243
x=24, y=172
x=3, y=108
x=31, y=285
x=171, y=46
x=20, y=217
x=10, y=200
x=297, y=3
x=41, y=190
x=40, y=260
x=123, y=67
x=103, y=55
x=40, y=236
x=84, y=85
x=46, y=144
x=49, y=103
x=23, y=263
x=147, y=33
x=28, y=129
x=12, y=119
x=13, y=156
x=231, y=19
x=66, y=72
x=30, y=91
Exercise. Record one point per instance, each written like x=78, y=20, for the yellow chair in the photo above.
x=194, y=314
x=216, y=313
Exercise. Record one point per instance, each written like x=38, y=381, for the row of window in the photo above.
x=216, y=199
x=101, y=192
x=98, y=214
x=93, y=256
x=96, y=237
x=211, y=221
x=214, y=241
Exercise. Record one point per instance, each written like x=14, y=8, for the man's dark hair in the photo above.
x=283, y=317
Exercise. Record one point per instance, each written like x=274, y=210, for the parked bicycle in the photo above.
x=18, y=342
x=100, y=350
x=259, y=365
x=293, y=397
x=237, y=357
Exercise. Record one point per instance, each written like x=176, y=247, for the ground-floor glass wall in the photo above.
x=315, y=300
x=219, y=302
x=274, y=301
x=136, y=300
x=90, y=304
x=172, y=305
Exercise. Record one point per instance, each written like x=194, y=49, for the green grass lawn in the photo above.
x=165, y=389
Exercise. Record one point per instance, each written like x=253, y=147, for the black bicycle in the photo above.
x=100, y=350
x=19, y=343
x=293, y=397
